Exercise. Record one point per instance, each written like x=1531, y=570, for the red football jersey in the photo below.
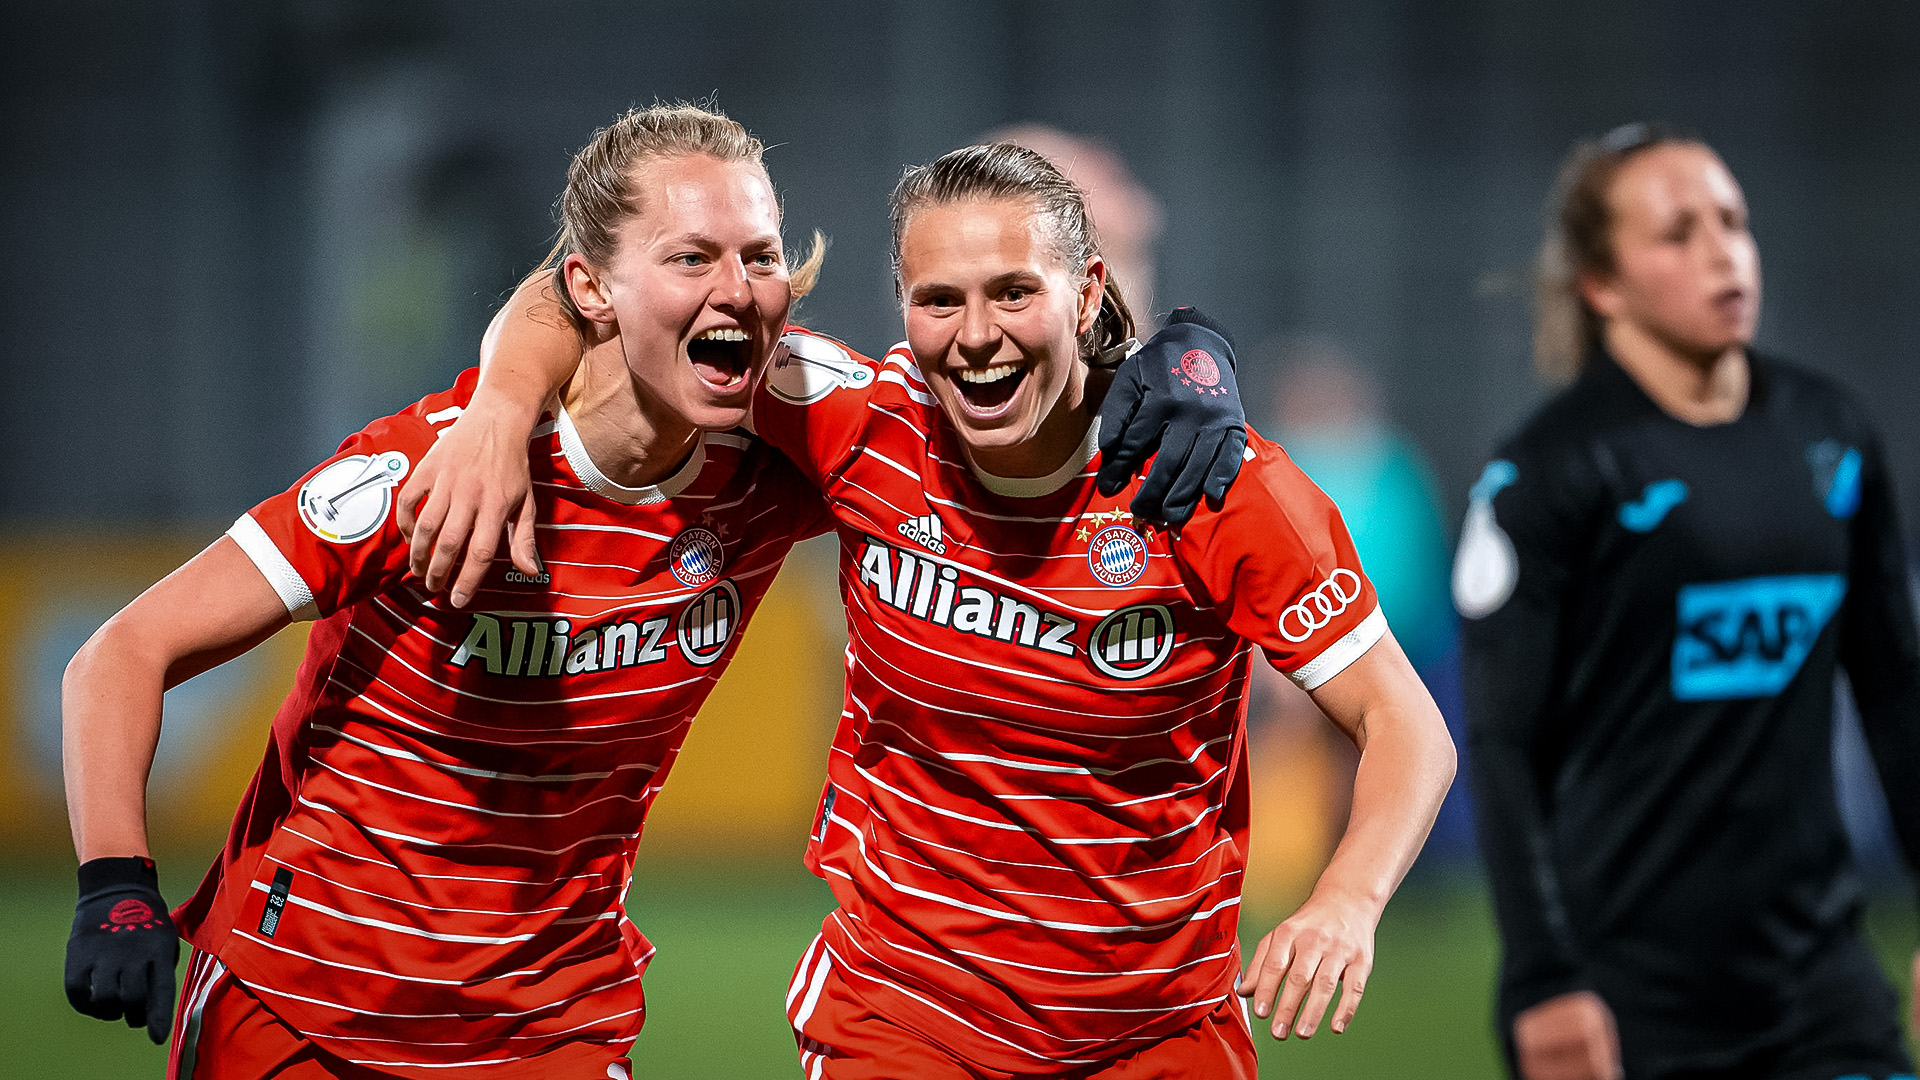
x=429, y=869
x=1035, y=819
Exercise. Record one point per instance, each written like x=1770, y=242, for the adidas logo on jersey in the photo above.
x=925, y=531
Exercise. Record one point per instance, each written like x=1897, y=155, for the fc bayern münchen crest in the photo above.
x=695, y=557
x=1117, y=556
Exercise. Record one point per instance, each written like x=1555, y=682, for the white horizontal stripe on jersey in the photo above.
x=906, y=365
x=423, y=842
x=1056, y=798
x=860, y=844
x=629, y=601
x=325, y=1004
x=606, y=529
x=514, y=882
x=380, y=924
x=913, y=391
x=860, y=664
x=397, y=658
x=309, y=872
x=487, y=774
x=1064, y=897
x=1016, y=518
x=1094, y=800
x=1038, y=796
x=671, y=719
x=404, y=623
x=885, y=460
x=1125, y=974
x=279, y=948
x=1206, y=1003
x=475, y=809
x=893, y=414
x=1076, y=770
x=921, y=841
x=544, y=1035
x=1195, y=709
x=930, y=1003
x=872, y=525
x=1063, y=841
x=1108, y=974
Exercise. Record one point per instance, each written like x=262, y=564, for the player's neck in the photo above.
x=631, y=438
x=1062, y=434
x=1699, y=390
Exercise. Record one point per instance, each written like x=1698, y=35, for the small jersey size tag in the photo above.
x=276, y=901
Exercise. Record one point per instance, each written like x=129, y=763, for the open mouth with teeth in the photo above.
x=989, y=387
x=722, y=356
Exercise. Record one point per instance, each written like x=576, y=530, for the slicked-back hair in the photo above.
x=1004, y=171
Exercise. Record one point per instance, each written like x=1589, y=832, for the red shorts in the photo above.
x=849, y=1041
x=221, y=1031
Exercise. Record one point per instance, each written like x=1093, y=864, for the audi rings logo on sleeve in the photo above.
x=1133, y=642
x=1321, y=606
x=708, y=623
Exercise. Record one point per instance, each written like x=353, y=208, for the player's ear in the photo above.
x=1092, y=293
x=587, y=288
x=1600, y=294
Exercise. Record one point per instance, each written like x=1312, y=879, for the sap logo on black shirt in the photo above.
x=1748, y=638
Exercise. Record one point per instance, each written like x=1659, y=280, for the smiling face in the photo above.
x=697, y=286
x=1685, y=269
x=993, y=318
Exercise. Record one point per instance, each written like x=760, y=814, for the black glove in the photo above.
x=121, y=954
x=1177, y=394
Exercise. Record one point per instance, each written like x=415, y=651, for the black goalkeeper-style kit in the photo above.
x=1654, y=616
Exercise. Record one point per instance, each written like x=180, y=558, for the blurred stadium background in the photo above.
x=236, y=231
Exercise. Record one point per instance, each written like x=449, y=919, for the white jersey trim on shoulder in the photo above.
x=600, y=484
x=1334, y=658
x=1032, y=487
x=274, y=566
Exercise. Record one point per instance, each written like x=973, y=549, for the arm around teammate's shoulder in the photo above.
x=473, y=487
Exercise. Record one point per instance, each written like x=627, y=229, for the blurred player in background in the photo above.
x=1128, y=215
x=1661, y=574
x=1035, y=816
x=429, y=869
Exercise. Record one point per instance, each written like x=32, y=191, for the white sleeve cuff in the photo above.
x=1334, y=658
x=280, y=574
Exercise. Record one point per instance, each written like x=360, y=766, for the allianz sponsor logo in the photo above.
x=925, y=589
x=1749, y=638
x=1128, y=644
x=547, y=647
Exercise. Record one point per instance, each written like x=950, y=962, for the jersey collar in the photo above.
x=1032, y=487
x=600, y=484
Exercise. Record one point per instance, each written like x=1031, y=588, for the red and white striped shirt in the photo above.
x=430, y=866
x=1035, y=819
